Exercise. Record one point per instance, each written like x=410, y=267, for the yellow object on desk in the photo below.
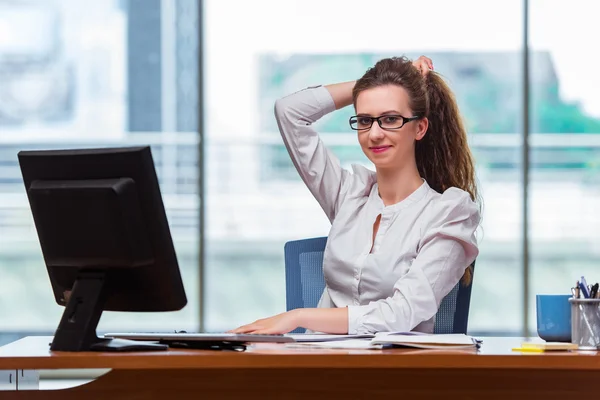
x=547, y=346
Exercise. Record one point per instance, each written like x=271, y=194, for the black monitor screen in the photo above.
x=102, y=225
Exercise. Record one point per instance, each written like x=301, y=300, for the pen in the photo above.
x=594, y=291
x=584, y=288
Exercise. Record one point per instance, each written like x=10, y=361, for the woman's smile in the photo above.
x=379, y=149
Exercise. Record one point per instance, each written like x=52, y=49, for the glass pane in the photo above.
x=564, y=206
x=255, y=199
x=96, y=74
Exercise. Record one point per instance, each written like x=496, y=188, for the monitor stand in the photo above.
x=77, y=328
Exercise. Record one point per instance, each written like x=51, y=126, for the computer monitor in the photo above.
x=105, y=239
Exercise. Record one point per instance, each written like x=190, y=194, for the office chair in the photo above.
x=305, y=284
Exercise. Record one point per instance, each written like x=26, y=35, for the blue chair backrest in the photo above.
x=305, y=284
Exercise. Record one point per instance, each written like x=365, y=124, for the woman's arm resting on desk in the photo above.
x=328, y=320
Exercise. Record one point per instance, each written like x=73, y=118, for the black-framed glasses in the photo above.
x=362, y=122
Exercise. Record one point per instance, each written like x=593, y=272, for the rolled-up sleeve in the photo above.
x=447, y=248
x=317, y=165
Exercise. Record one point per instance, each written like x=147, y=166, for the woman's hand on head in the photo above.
x=278, y=324
x=423, y=64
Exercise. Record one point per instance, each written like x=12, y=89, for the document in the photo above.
x=322, y=337
x=439, y=341
x=387, y=340
x=351, y=344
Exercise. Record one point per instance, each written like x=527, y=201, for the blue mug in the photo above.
x=554, y=317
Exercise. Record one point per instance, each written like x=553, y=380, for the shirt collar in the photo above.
x=412, y=198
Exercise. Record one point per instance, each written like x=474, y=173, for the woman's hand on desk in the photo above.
x=327, y=320
x=278, y=324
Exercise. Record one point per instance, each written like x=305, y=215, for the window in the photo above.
x=564, y=198
x=96, y=74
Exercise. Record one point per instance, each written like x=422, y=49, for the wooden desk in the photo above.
x=274, y=371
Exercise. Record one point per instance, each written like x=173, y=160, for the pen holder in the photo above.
x=585, y=323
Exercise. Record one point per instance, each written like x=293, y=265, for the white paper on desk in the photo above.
x=355, y=344
x=321, y=337
x=433, y=341
x=410, y=333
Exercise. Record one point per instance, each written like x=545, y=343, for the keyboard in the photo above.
x=183, y=336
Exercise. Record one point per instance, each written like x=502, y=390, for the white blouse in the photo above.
x=422, y=247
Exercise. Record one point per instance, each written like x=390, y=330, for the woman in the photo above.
x=403, y=236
